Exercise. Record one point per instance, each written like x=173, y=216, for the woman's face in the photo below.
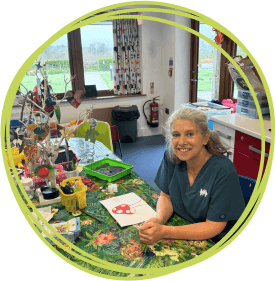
x=188, y=142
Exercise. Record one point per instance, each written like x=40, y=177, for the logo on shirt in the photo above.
x=203, y=192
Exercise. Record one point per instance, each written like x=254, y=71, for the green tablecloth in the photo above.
x=122, y=246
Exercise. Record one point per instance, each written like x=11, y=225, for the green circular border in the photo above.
x=208, y=21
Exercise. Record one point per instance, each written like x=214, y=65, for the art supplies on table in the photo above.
x=28, y=186
x=114, y=169
x=49, y=193
x=45, y=212
x=128, y=209
x=69, y=230
x=43, y=201
x=61, y=159
x=75, y=194
x=112, y=188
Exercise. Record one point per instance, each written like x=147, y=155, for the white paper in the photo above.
x=128, y=209
x=45, y=212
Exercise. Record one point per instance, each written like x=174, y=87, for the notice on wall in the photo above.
x=152, y=88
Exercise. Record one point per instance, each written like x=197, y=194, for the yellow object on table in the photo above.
x=16, y=156
x=70, y=201
x=73, y=122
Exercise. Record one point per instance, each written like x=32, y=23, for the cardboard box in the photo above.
x=250, y=72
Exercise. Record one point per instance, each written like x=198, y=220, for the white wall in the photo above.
x=158, y=42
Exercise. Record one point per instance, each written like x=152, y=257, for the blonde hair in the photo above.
x=214, y=145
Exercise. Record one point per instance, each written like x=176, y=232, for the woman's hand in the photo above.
x=151, y=231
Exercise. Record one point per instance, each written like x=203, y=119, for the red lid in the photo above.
x=86, y=180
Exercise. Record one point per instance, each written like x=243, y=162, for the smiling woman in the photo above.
x=188, y=142
x=197, y=182
x=194, y=124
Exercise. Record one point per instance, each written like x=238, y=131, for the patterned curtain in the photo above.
x=126, y=57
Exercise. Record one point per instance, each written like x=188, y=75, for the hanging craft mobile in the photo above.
x=44, y=171
x=36, y=100
x=219, y=38
x=30, y=151
x=34, y=132
x=41, y=131
x=17, y=138
x=75, y=99
x=49, y=102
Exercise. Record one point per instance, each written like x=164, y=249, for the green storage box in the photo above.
x=111, y=162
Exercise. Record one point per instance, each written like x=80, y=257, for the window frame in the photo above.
x=226, y=84
x=76, y=68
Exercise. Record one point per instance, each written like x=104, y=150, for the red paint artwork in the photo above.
x=125, y=209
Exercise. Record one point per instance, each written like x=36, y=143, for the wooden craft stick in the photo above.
x=89, y=215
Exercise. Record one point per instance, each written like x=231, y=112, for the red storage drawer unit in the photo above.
x=247, y=155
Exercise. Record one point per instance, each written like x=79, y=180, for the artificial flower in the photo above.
x=119, y=181
x=54, y=211
x=132, y=250
x=105, y=238
x=138, y=182
x=86, y=222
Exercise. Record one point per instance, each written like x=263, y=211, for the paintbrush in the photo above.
x=67, y=155
x=89, y=215
x=74, y=161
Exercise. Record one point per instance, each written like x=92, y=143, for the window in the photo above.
x=87, y=54
x=97, y=51
x=210, y=79
x=208, y=66
x=58, y=66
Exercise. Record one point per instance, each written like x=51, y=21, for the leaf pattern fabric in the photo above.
x=122, y=246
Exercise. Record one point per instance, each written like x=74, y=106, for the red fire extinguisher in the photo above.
x=153, y=112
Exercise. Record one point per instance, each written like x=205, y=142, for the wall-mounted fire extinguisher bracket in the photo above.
x=153, y=112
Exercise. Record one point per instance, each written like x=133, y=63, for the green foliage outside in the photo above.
x=90, y=67
x=56, y=81
x=107, y=62
x=57, y=67
x=205, y=79
x=59, y=63
x=106, y=78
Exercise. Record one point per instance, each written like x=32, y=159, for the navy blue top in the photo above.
x=215, y=195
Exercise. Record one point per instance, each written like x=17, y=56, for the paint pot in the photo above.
x=49, y=192
x=28, y=186
x=71, y=174
x=112, y=188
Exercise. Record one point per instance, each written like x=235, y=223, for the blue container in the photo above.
x=211, y=124
x=14, y=124
x=251, y=112
x=248, y=96
x=247, y=186
x=251, y=103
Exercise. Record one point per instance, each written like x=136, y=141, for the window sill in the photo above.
x=102, y=98
x=113, y=97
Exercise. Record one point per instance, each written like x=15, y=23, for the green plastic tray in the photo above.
x=111, y=162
